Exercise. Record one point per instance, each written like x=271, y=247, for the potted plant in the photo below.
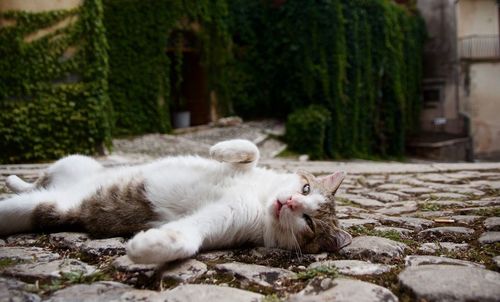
x=181, y=117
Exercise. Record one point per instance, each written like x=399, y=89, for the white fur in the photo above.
x=202, y=203
x=18, y=185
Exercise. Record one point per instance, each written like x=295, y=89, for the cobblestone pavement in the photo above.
x=425, y=232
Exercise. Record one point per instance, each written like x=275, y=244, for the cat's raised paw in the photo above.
x=235, y=151
x=156, y=246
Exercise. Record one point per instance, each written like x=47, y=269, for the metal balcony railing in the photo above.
x=480, y=47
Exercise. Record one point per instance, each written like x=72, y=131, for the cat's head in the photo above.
x=303, y=214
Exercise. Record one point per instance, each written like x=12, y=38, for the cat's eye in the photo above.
x=309, y=221
x=306, y=189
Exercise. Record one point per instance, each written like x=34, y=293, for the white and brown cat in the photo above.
x=177, y=206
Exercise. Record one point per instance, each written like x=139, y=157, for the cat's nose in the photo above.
x=292, y=204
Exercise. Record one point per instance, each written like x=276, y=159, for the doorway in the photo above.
x=191, y=94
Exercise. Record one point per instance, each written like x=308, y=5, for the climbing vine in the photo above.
x=53, y=85
x=139, y=34
x=109, y=69
x=360, y=59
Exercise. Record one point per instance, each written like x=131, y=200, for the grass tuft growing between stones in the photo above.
x=392, y=235
x=486, y=212
x=429, y=207
x=320, y=271
x=271, y=298
x=479, y=254
x=67, y=279
x=390, y=281
x=6, y=262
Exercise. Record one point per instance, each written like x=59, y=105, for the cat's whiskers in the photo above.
x=296, y=245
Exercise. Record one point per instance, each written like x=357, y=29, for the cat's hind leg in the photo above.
x=237, y=151
x=70, y=169
x=37, y=210
x=61, y=173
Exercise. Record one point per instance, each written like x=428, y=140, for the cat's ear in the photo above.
x=333, y=181
x=338, y=239
x=306, y=174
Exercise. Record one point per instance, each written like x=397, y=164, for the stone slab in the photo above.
x=12, y=290
x=214, y=255
x=99, y=292
x=417, y=260
x=373, y=248
x=259, y=274
x=418, y=190
x=393, y=186
x=343, y=290
x=202, y=292
x=496, y=260
x=383, y=197
x=362, y=201
x=124, y=264
x=492, y=223
x=355, y=222
x=489, y=237
x=413, y=223
x=400, y=231
x=24, y=239
x=434, y=247
x=27, y=254
x=451, y=233
x=104, y=247
x=450, y=283
x=354, y=267
x=398, y=208
x=69, y=240
x=184, y=271
x=45, y=271
x=466, y=219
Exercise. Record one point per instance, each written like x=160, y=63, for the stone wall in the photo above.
x=440, y=67
x=477, y=17
x=479, y=89
x=482, y=104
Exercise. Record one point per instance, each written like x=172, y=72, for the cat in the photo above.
x=177, y=206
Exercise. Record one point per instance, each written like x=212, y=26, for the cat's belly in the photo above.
x=183, y=190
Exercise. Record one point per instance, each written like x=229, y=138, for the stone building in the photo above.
x=461, y=92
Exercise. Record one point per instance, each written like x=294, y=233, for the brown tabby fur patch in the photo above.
x=47, y=218
x=111, y=211
x=117, y=211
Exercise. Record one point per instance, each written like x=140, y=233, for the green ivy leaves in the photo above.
x=53, y=104
x=360, y=59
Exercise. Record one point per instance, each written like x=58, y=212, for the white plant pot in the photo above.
x=181, y=119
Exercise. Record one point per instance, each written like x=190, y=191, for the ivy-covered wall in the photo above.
x=117, y=82
x=360, y=59
x=52, y=102
x=138, y=34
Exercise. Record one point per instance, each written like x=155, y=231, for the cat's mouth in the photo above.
x=277, y=209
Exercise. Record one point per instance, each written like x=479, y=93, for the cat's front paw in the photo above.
x=156, y=246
